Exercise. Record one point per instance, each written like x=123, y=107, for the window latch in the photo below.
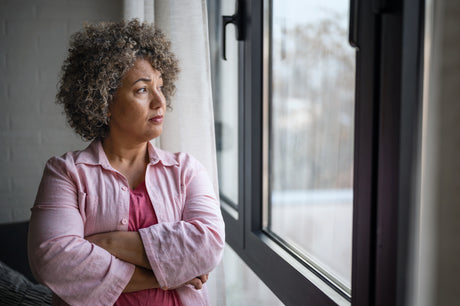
x=238, y=19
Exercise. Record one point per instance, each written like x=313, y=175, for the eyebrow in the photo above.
x=146, y=79
x=142, y=80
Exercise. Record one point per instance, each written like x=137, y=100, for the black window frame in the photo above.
x=388, y=36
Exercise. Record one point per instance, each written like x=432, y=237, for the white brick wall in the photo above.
x=33, y=40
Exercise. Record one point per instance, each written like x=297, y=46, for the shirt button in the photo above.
x=124, y=188
x=124, y=221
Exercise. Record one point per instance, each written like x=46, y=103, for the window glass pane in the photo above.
x=225, y=95
x=311, y=133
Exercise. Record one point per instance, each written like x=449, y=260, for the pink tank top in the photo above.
x=142, y=214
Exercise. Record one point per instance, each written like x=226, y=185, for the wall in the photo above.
x=34, y=38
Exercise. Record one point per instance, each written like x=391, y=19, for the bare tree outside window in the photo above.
x=311, y=137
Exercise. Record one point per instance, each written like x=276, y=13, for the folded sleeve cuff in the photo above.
x=121, y=273
x=148, y=242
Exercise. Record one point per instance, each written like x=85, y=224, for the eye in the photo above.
x=142, y=90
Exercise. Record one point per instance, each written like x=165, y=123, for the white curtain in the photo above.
x=189, y=127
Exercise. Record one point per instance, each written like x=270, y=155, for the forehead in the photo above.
x=142, y=68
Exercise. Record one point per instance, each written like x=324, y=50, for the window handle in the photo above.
x=353, y=38
x=238, y=19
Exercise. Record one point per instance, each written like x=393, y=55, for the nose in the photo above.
x=157, y=99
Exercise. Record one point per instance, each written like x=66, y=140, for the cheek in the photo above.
x=131, y=110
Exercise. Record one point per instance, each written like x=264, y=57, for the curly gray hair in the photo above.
x=99, y=55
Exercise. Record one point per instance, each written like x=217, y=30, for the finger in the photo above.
x=204, y=278
x=196, y=282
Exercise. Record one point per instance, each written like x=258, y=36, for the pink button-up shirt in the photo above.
x=81, y=194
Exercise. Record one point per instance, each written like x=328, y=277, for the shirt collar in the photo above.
x=157, y=155
x=94, y=155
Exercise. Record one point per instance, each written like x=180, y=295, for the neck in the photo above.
x=119, y=152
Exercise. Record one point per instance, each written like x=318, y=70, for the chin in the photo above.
x=154, y=136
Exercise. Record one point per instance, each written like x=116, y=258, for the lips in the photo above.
x=156, y=119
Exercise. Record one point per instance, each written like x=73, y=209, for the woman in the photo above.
x=121, y=221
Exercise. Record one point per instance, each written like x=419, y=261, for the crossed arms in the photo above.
x=128, y=247
x=98, y=268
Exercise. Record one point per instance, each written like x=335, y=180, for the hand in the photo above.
x=197, y=282
x=204, y=278
x=104, y=240
x=107, y=241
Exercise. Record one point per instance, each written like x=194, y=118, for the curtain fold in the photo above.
x=189, y=127
x=133, y=9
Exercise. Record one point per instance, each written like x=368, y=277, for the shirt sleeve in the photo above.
x=180, y=251
x=76, y=270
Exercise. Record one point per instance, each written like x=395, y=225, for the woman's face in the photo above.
x=139, y=105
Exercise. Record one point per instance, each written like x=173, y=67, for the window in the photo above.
x=310, y=126
x=316, y=143
x=225, y=94
x=228, y=86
